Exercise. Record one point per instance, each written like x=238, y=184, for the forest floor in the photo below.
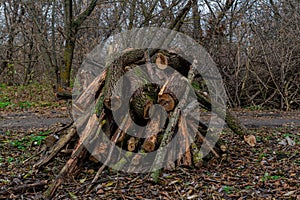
x=269, y=170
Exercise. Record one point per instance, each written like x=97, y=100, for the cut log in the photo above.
x=78, y=154
x=83, y=101
x=161, y=61
x=173, y=60
x=150, y=142
x=152, y=129
x=230, y=118
x=132, y=144
x=141, y=102
x=98, y=127
x=172, y=91
x=160, y=156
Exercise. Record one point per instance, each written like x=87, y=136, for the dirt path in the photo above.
x=32, y=119
x=272, y=119
x=252, y=119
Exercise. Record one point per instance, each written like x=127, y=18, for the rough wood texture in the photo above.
x=152, y=129
x=161, y=61
x=82, y=102
x=132, y=144
x=172, y=96
x=173, y=60
x=172, y=91
x=141, y=102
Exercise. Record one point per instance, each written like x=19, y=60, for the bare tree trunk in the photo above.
x=196, y=21
x=131, y=16
x=71, y=28
x=11, y=15
x=53, y=48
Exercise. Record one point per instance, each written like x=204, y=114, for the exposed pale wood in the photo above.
x=87, y=96
x=172, y=91
x=131, y=144
x=160, y=156
x=115, y=70
x=149, y=144
x=161, y=61
x=140, y=103
x=175, y=61
x=152, y=129
x=100, y=149
x=173, y=121
x=69, y=167
x=78, y=153
x=186, y=140
x=163, y=88
x=167, y=101
x=108, y=158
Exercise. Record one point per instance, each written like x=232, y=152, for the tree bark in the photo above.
x=71, y=28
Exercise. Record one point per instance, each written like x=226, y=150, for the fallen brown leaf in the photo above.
x=251, y=140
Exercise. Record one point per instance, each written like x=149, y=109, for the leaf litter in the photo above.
x=265, y=170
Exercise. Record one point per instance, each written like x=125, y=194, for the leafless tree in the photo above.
x=254, y=43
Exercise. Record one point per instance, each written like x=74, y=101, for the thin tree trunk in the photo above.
x=71, y=28
x=196, y=21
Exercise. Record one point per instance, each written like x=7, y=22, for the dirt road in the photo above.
x=251, y=119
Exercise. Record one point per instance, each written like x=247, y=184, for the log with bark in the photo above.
x=161, y=124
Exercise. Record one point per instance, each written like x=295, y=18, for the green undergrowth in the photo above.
x=33, y=139
x=29, y=96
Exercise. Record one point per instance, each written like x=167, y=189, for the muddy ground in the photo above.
x=269, y=170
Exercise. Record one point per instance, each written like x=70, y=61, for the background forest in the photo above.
x=255, y=44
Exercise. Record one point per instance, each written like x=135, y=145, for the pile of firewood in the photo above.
x=96, y=102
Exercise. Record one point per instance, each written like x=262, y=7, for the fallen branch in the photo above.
x=24, y=187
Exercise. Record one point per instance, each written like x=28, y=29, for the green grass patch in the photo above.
x=2, y=85
x=25, y=104
x=267, y=176
x=30, y=140
x=29, y=96
x=253, y=107
x=248, y=187
x=4, y=104
x=228, y=189
x=10, y=159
